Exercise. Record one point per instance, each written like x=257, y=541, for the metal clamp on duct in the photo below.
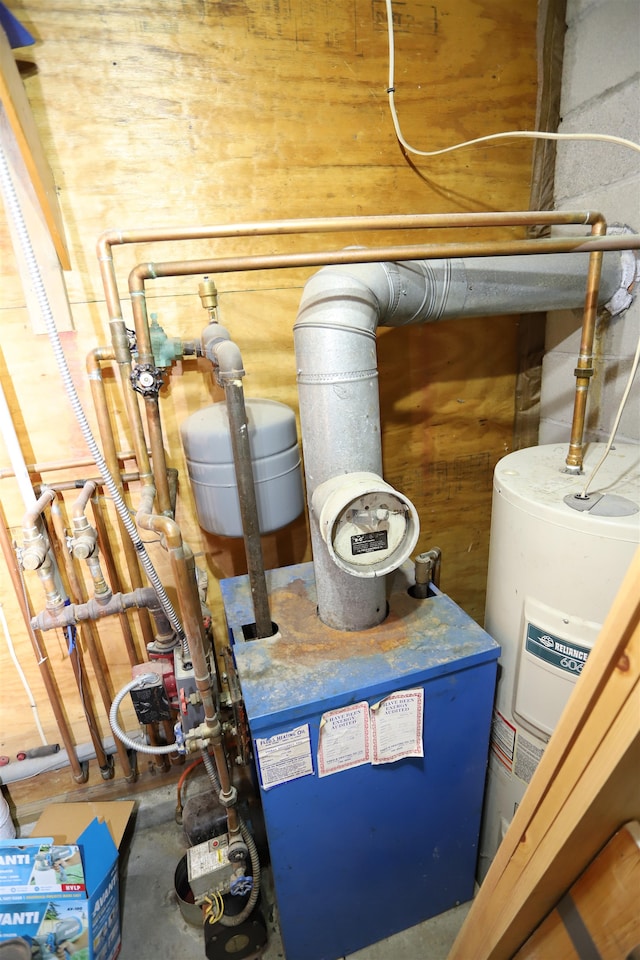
x=369, y=528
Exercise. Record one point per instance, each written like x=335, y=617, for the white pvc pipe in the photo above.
x=14, y=451
x=21, y=674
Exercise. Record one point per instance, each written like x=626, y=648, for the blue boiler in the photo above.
x=362, y=853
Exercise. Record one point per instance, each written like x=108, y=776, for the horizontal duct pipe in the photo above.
x=335, y=343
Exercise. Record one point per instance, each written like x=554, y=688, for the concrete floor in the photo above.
x=153, y=925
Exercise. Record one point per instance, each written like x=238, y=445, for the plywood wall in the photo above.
x=194, y=111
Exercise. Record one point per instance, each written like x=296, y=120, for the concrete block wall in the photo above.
x=600, y=94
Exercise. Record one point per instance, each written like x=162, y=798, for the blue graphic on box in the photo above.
x=36, y=868
x=54, y=928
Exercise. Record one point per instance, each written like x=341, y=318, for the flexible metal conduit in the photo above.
x=234, y=920
x=15, y=211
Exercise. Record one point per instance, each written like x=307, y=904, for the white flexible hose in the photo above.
x=128, y=741
x=14, y=210
x=21, y=674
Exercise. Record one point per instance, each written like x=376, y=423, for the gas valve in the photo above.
x=146, y=379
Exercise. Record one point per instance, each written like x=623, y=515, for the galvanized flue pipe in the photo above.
x=390, y=255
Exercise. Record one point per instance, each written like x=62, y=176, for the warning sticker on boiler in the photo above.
x=344, y=740
x=285, y=756
x=396, y=726
x=369, y=542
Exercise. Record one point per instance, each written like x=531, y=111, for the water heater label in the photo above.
x=369, y=542
x=566, y=656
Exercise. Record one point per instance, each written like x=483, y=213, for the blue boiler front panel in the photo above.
x=363, y=853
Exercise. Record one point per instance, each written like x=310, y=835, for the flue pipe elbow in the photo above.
x=335, y=344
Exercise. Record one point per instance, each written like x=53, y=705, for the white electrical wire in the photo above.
x=18, y=666
x=616, y=422
x=508, y=135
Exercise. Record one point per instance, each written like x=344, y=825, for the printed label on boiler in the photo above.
x=369, y=542
x=285, y=756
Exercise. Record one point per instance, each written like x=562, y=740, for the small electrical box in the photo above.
x=151, y=702
x=189, y=703
x=208, y=867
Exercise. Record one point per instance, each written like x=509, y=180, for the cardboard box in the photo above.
x=35, y=869
x=77, y=919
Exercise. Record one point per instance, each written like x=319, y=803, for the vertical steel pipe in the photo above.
x=234, y=396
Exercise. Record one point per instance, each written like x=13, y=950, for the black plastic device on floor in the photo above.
x=242, y=942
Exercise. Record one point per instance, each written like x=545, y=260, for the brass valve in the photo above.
x=209, y=296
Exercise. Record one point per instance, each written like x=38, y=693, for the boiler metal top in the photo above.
x=308, y=664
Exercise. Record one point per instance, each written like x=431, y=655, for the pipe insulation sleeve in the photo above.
x=15, y=212
x=119, y=732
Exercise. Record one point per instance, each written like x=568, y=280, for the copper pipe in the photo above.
x=92, y=639
x=182, y=268
x=135, y=422
x=158, y=459
x=85, y=541
x=145, y=356
x=94, y=358
x=327, y=225
x=34, y=513
x=79, y=772
x=114, y=579
x=182, y=566
x=268, y=228
x=51, y=466
x=323, y=225
x=584, y=368
x=99, y=482
x=49, y=575
x=75, y=654
x=122, y=356
x=154, y=740
x=81, y=501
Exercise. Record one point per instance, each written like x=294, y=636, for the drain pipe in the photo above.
x=335, y=343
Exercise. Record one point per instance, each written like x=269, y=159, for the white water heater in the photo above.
x=556, y=562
